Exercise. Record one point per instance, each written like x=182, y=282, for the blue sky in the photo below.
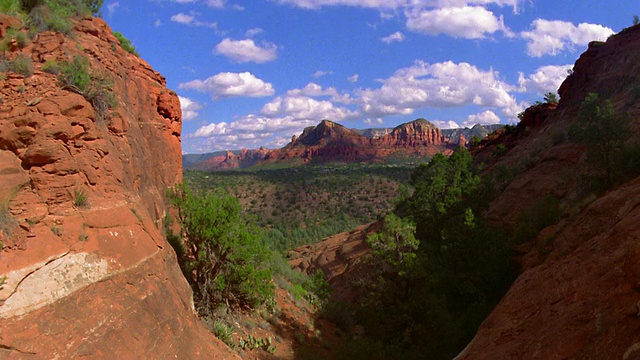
x=254, y=73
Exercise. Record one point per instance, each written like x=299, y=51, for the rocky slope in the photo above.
x=340, y=257
x=88, y=272
x=577, y=296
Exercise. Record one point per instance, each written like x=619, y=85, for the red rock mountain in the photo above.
x=90, y=278
x=332, y=142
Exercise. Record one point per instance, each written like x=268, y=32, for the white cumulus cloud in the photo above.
x=189, y=108
x=486, y=117
x=545, y=79
x=376, y=121
x=313, y=90
x=551, y=37
x=445, y=124
x=212, y=129
x=469, y=22
x=244, y=51
x=304, y=108
x=353, y=78
x=228, y=84
x=438, y=85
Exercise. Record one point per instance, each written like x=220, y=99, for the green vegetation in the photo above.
x=16, y=35
x=21, y=64
x=125, y=43
x=10, y=7
x=223, y=332
x=551, y=98
x=225, y=262
x=51, y=67
x=636, y=20
x=604, y=133
x=432, y=289
x=475, y=140
x=253, y=343
x=75, y=76
x=42, y=15
x=7, y=222
x=80, y=198
x=394, y=247
x=296, y=206
x=500, y=150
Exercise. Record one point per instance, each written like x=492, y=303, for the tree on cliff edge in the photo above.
x=226, y=262
x=604, y=134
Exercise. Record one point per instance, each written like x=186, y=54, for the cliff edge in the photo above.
x=82, y=200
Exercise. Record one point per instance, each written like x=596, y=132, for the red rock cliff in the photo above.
x=577, y=297
x=95, y=279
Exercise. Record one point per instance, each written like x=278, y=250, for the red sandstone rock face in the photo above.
x=577, y=296
x=340, y=257
x=96, y=280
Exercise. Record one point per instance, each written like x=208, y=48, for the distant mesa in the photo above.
x=331, y=142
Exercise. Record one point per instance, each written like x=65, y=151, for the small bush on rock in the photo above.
x=21, y=64
x=75, y=76
x=10, y=7
x=228, y=262
x=125, y=43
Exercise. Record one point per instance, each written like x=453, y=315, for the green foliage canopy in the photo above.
x=604, y=134
x=442, y=188
x=226, y=260
x=551, y=98
x=125, y=43
x=395, y=245
x=447, y=277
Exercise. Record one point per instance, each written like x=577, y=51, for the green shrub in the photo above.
x=43, y=17
x=500, y=150
x=51, y=67
x=125, y=43
x=551, y=98
x=13, y=34
x=21, y=64
x=10, y=7
x=75, y=76
x=223, y=332
x=55, y=15
x=80, y=198
x=229, y=263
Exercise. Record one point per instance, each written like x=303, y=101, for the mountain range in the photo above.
x=331, y=142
